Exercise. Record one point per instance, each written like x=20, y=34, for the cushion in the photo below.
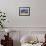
x=26, y=39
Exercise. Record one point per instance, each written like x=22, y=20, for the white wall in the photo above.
x=36, y=19
x=39, y=13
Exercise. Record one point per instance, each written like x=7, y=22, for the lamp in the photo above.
x=7, y=31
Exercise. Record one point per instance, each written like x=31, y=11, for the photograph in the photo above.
x=24, y=11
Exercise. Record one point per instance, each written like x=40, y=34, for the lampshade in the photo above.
x=7, y=30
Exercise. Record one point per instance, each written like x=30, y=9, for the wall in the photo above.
x=36, y=19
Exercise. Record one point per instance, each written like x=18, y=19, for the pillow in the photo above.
x=28, y=39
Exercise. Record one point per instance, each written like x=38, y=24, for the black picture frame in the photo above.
x=24, y=11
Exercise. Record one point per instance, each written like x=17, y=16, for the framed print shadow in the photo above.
x=24, y=11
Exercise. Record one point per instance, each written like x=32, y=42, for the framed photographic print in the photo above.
x=24, y=11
